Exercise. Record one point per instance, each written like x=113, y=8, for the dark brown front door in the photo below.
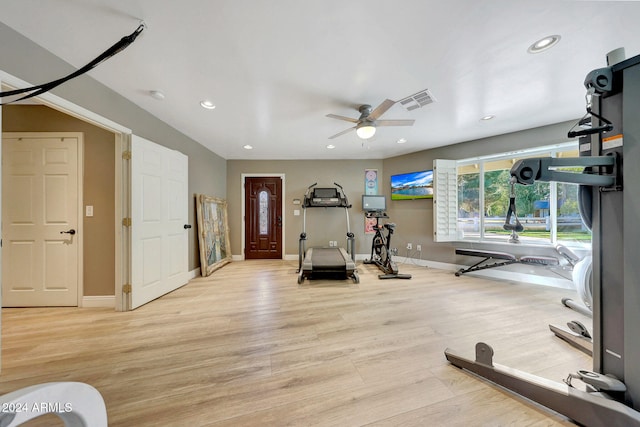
x=263, y=220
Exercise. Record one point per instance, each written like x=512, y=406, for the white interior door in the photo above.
x=159, y=210
x=40, y=219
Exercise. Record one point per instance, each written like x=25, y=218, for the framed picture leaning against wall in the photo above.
x=213, y=233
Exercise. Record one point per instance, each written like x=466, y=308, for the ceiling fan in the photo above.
x=368, y=121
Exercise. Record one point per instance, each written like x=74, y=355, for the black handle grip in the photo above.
x=72, y=232
x=187, y=226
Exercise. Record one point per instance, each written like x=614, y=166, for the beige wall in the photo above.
x=98, y=183
x=323, y=224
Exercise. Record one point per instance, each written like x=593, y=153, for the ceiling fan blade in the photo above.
x=342, y=133
x=381, y=109
x=394, y=122
x=348, y=119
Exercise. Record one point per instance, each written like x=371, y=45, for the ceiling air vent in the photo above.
x=420, y=99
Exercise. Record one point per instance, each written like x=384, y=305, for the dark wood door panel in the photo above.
x=263, y=220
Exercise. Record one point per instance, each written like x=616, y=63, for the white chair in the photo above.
x=77, y=404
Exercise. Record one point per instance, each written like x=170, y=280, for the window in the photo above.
x=547, y=210
x=263, y=212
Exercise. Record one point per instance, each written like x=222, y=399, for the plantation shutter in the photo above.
x=445, y=200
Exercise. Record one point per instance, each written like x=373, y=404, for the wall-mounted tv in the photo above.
x=412, y=185
x=372, y=203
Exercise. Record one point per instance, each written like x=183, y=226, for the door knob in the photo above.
x=187, y=226
x=72, y=232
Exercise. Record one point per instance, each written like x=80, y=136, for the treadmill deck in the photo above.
x=325, y=261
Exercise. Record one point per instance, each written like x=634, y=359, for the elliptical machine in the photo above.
x=381, y=244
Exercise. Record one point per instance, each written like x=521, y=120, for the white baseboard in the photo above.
x=194, y=273
x=494, y=273
x=293, y=257
x=99, y=301
x=109, y=301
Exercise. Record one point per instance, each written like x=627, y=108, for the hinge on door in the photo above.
x=126, y=155
x=126, y=222
x=126, y=288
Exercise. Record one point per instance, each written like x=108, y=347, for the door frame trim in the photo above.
x=122, y=135
x=244, y=177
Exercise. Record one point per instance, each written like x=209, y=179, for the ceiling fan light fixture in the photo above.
x=365, y=130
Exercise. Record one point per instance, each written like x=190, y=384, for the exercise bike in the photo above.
x=380, y=249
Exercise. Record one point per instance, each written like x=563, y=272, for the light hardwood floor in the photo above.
x=248, y=346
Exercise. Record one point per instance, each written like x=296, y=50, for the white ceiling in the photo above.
x=276, y=68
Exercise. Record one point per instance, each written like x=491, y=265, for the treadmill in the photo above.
x=326, y=262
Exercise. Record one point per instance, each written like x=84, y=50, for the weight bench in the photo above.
x=501, y=258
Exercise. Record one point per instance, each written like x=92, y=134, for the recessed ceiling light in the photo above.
x=401, y=141
x=544, y=44
x=248, y=147
x=331, y=147
x=488, y=117
x=207, y=104
x=156, y=94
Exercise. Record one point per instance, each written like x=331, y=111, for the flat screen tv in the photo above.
x=372, y=203
x=412, y=185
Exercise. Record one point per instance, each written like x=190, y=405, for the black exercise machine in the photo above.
x=612, y=396
x=502, y=259
x=514, y=227
x=381, y=253
x=331, y=262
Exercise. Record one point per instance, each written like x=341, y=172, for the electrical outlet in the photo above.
x=419, y=248
x=409, y=246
